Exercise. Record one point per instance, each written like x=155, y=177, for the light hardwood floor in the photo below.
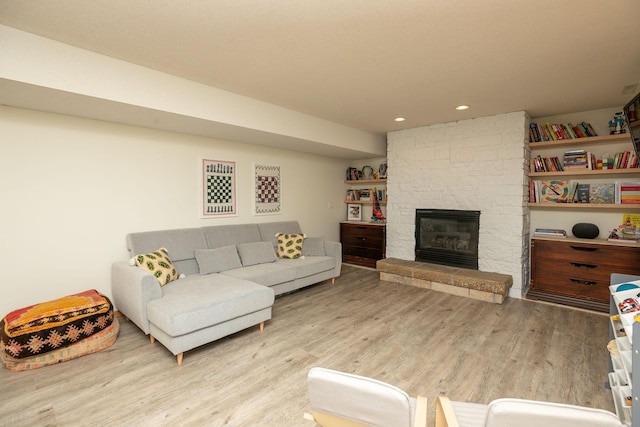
x=421, y=341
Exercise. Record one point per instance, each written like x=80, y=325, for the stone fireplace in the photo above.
x=448, y=237
x=470, y=165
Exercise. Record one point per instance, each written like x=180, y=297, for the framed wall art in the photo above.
x=267, y=198
x=218, y=188
x=354, y=212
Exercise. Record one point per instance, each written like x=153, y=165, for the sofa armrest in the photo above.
x=132, y=289
x=334, y=249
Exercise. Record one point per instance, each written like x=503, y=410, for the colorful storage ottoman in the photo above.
x=58, y=330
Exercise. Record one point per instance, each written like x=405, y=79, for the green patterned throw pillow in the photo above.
x=159, y=264
x=290, y=245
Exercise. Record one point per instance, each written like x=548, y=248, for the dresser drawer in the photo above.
x=574, y=286
x=362, y=230
x=363, y=241
x=372, y=253
x=613, y=256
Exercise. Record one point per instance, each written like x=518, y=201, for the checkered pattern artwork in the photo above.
x=219, y=188
x=267, y=197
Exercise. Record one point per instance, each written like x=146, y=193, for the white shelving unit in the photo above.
x=623, y=328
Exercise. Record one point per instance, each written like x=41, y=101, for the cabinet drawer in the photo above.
x=369, y=231
x=363, y=241
x=571, y=269
x=373, y=253
x=613, y=256
x=572, y=286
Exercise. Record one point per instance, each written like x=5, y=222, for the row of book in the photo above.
x=581, y=159
x=555, y=191
x=558, y=131
x=367, y=195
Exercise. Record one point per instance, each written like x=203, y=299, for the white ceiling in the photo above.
x=363, y=62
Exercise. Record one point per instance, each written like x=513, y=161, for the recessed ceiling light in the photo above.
x=399, y=119
x=462, y=107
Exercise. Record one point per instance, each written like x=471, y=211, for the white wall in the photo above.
x=476, y=164
x=73, y=188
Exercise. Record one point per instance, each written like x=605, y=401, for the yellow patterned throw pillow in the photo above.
x=290, y=245
x=159, y=264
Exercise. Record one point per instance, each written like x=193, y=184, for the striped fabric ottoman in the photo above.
x=57, y=330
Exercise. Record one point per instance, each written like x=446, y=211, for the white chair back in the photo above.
x=529, y=413
x=361, y=400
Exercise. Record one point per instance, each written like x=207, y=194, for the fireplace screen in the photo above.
x=447, y=237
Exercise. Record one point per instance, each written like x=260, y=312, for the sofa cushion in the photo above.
x=256, y=253
x=290, y=245
x=159, y=264
x=197, y=302
x=218, y=259
x=313, y=246
x=309, y=265
x=265, y=274
x=268, y=230
x=234, y=234
x=180, y=244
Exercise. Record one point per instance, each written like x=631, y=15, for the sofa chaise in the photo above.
x=213, y=281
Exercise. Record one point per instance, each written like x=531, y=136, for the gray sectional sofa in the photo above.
x=230, y=275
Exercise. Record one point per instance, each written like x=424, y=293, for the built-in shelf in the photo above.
x=366, y=202
x=623, y=137
x=588, y=173
x=603, y=206
x=365, y=181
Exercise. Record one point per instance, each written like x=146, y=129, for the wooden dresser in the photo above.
x=577, y=272
x=362, y=243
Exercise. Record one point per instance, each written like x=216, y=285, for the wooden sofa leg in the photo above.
x=179, y=357
x=261, y=327
x=333, y=280
x=152, y=339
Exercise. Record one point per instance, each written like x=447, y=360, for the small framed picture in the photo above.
x=382, y=171
x=354, y=212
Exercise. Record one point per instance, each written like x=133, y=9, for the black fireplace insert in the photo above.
x=447, y=237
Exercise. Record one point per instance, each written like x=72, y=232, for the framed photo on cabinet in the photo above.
x=354, y=212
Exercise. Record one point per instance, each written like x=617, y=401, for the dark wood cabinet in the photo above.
x=577, y=272
x=362, y=243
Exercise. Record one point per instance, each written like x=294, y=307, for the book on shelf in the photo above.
x=545, y=164
x=539, y=132
x=551, y=232
x=618, y=240
x=554, y=191
x=627, y=192
x=365, y=195
x=602, y=193
x=582, y=193
x=633, y=219
x=575, y=159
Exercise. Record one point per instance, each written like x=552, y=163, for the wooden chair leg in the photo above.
x=261, y=327
x=180, y=356
x=152, y=339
